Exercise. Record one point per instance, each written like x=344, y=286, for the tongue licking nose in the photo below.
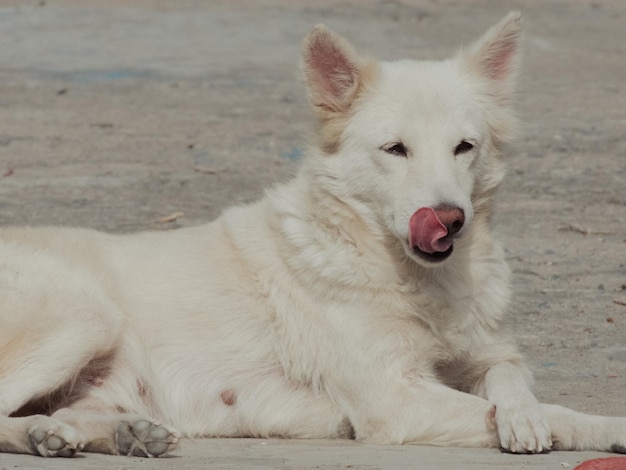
x=431, y=230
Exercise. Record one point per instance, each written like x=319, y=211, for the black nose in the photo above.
x=452, y=217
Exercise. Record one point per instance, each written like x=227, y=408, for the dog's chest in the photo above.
x=454, y=313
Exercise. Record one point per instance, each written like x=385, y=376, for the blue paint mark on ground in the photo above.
x=548, y=364
x=294, y=154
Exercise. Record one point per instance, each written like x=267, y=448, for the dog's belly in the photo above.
x=204, y=389
x=248, y=400
x=212, y=371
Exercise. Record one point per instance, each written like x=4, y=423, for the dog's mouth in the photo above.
x=432, y=231
x=435, y=257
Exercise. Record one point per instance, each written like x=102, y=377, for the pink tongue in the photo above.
x=427, y=232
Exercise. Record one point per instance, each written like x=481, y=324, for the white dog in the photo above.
x=362, y=299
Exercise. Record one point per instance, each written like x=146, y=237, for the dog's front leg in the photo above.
x=572, y=430
x=519, y=418
x=422, y=412
x=524, y=425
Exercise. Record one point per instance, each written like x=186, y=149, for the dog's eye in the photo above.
x=397, y=149
x=463, y=147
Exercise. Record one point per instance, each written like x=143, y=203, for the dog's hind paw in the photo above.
x=144, y=438
x=51, y=438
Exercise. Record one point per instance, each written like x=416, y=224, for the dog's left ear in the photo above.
x=495, y=56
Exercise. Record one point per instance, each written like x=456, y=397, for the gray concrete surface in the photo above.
x=234, y=454
x=116, y=115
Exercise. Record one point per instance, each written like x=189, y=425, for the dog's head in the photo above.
x=415, y=144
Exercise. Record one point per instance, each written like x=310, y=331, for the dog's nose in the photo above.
x=452, y=217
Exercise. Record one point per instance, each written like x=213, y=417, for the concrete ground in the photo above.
x=159, y=114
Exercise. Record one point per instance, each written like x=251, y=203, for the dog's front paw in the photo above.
x=522, y=428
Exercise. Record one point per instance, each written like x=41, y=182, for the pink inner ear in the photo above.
x=331, y=70
x=498, y=65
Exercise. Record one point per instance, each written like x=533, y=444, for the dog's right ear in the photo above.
x=333, y=72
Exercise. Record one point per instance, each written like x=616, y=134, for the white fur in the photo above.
x=306, y=314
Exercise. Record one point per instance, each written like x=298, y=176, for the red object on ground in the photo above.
x=609, y=463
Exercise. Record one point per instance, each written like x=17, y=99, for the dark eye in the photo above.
x=397, y=149
x=463, y=147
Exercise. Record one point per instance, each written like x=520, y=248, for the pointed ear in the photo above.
x=332, y=70
x=495, y=56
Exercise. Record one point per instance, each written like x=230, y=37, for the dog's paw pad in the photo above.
x=145, y=438
x=50, y=438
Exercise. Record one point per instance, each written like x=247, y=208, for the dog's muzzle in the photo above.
x=432, y=231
